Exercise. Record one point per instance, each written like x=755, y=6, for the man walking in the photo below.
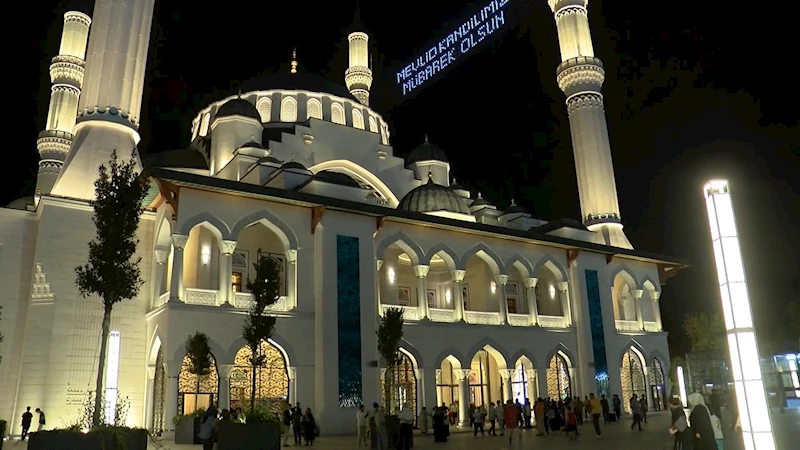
x=511, y=419
x=42, y=422
x=27, y=417
x=361, y=424
x=617, y=407
x=636, y=410
x=604, y=405
x=597, y=409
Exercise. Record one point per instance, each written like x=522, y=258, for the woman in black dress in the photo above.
x=440, y=428
x=309, y=427
x=700, y=421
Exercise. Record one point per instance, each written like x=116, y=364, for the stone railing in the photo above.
x=442, y=315
x=651, y=327
x=244, y=300
x=482, y=318
x=519, y=320
x=627, y=325
x=409, y=312
x=552, y=322
x=206, y=297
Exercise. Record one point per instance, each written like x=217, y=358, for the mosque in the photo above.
x=497, y=304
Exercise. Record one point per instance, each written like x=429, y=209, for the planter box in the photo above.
x=186, y=431
x=254, y=436
x=115, y=439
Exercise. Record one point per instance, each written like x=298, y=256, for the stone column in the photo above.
x=171, y=394
x=654, y=296
x=637, y=304
x=378, y=281
x=160, y=255
x=291, y=280
x=176, y=284
x=428, y=389
x=463, y=396
x=422, y=291
x=541, y=380
x=563, y=289
x=148, y=399
x=530, y=387
x=224, y=400
x=505, y=377
x=226, y=249
x=647, y=390
x=500, y=281
x=292, y=373
x=530, y=297
x=458, y=293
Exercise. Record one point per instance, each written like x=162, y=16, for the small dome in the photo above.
x=426, y=152
x=515, y=209
x=238, y=107
x=293, y=165
x=269, y=159
x=480, y=201
x=252, y=144
x=431, y=197
x=456, y=187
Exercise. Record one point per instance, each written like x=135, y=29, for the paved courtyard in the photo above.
x=616, y=436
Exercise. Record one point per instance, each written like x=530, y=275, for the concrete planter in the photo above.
x=111, y=439
x=186, y=431
x=254, y=436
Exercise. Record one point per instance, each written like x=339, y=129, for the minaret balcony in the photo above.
x=67, y=70
x=358, y=76
x=580, y=74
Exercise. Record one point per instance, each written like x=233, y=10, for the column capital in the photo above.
x=291, y=373
x=458, y=275
x=180, y=240
x=531, y=374
x=378, y=264
x=563, y=286
x=161, y=255
x=291, y=255
x=655, y=295
x=461, y=374
x=227, y=247
x=505, y=374
x=530, y=283
x=225, y=370
x=637, y=293
x=501, y=279
x=421, y=270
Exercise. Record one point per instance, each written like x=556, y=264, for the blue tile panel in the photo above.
x=598, y=336
x=348, y=300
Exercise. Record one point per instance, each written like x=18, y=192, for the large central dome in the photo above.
x=296, y=82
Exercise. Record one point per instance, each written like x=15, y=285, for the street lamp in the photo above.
x=745, y=365
x=682, y=386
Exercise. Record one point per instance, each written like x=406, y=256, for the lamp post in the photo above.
x=750, y=393
x=682, y=386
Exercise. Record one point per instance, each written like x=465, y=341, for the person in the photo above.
x=700, y=418
x=309, y=427
x=511, y=419
x=597, y=409
x=27, y=418
x=361, y=425
x=380, y=438
x=492, y=416
x=571, y=427
x=643, y=401
x=604, y=405
x=477, y=422
x=207, y=427
x=423, y=421
x=538, y=412
x=42, y=421
x=714, y=403
x=679, y=424
x=440, y=421
x=617, y=406
x=287, y=425
x=406, y=418
x=297, y=424
x=526, y=414
x=636, y=410
x=579, y=406
x=500, y=418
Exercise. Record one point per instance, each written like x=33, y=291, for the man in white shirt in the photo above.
x=406, y=418
x=361, y=422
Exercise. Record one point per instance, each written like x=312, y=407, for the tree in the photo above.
x=112, y=272
x=390, y=332
x=706, y=332
x=200, y=359
x=259, y=326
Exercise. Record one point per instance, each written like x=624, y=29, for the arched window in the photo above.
x=446, y=384
x=632, y=377
x=337, y=114
x=189, y=398
x=519, y=384
x=384, y=135
x=373, y=125
x=657, y=387
x=314, y=109
x=264, y=107
x=358, y=119
x=195, y=129
x=272, y=378
x=405, y=385
x=289, y=110
x=558, y=380
x=159, y=394
x=204, y=124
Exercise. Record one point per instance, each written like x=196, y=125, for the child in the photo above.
x=572, y=424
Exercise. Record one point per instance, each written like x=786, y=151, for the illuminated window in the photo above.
x=264, y=107
x=314, y=109
x=512, y=293
x=558, y=380
x=447, y=384
x=373, y=125
x=337, y=114
x=519, y=384
x=195, y=129
x=204, y=124
x=632, y=378
x=404, y=383
x=272, y=378
x=403, y=296
x=358, y=119
x=289, y=110
x=384, y=139
x=189, y=398
x=236, y=281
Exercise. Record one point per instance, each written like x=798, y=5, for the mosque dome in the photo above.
x=270, y=159
x=515, y=209
x=238, y=107
x=252, y=144
x=426, y=152
x=480, y=202
x=431, y=197
x=296, y=82
x=294, y=165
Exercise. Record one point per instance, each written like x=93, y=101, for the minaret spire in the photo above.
x=358, y=76
x=580, y=75
x=294, y=61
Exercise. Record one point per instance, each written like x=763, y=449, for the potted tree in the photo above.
x=261, y=431
x=200, y=360
x=390, y=332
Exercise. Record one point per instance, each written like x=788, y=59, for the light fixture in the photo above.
x=390, y=274
x=552, y=291
x=682, y=386
x=493, y=287
x=205, y=255
x=742, y=344
x=447, y=296
x=112, y=376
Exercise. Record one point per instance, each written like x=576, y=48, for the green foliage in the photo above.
x=198, y=413
x=199, y=353
x=706, y=332
x=263, y=414
x=112, y=272
x=258, y=325
x=390, y=332
x=85, y=419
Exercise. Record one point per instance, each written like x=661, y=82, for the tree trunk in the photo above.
x=253, y=389
x=196, y=392
x=387, y=390
x=101, y=369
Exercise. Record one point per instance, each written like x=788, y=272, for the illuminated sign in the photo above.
x=457, y=43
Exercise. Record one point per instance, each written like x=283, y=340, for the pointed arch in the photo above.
x=165, y=228
x=413, y=249
x=271, y=221
x=413, y=353
x=626, y=273
x=637, y=348
x=337, y=113
x=522, y=264
x=358, y=119
x=650, y=285
x=499, y=354
x=453, y=356
x=561, y=348
x=360, y=173
x=656, y=354
x=264, y=107
x=217, y=226
x=155, y=346
x=314, y=109
x=555, y=267
x=491, y=257
x=276, y=340
x=524, y=353
x=446, y=253
x=217, y=352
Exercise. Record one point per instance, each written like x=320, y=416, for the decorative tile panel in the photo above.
x=348, y=294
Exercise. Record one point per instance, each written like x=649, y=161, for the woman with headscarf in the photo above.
x=679, y=427
x=700, y=419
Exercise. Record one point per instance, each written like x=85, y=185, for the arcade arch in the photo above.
x=439, y=281
x=658, y=385
x=404, y=383
x=548, y=297
x=254, y=241
x=623, y=301
x=632, y=376
x=523, y=381
x=447, y=379
x=559, y=376
x=271, y=378
x=479, y=285
x=484, y=381
x=190, y=398
x=201, y=258
x=398, y=281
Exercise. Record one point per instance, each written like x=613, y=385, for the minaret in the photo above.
x=580, y=75
x=108, y=113
x=66, y=75
x=358, y=76
x=293, y=70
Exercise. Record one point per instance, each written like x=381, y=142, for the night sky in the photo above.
x=690, y=94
